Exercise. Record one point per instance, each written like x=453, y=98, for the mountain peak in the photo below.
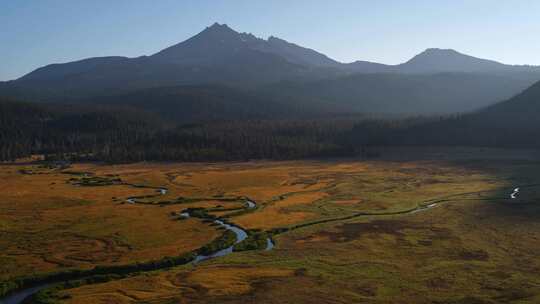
x=219, y=28
x=435, y=60
x=205, y=47
x=440, y=52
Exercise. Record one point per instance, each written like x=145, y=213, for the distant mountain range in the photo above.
x=435, y=81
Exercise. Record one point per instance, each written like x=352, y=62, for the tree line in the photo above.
x=125, y=134
x=121, y=135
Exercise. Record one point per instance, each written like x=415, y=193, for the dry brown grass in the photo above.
x=48, y=224
x=215, y=281
x=464, y=251
x=277, y=213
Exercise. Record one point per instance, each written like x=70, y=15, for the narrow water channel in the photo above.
x=241, y=235
x=20, y=296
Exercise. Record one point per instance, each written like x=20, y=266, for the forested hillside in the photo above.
x=511, y=124
x=123, y=134
x=27, y=129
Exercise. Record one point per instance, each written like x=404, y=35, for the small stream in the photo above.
x=424, y=207
x=428, y=205
x=240, y=236
x=161, y=191
x=269, y=244
x=250, y=204
x=19, y=296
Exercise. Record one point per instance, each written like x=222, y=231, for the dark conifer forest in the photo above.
x=126, y=133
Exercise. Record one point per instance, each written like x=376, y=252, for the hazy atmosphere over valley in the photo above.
x=269, y=152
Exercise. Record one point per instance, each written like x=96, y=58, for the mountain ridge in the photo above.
x=220, y=55
x=223, y=37
x=512, y=123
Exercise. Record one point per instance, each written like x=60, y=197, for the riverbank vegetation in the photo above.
x=95, y=181
x=307, y=207
x=256, y=240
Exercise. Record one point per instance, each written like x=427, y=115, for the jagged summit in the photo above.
x=221, y=41
x=214, y=43
x=298, y=54
x=276, y=39
x=218, y=28
x=218, y=25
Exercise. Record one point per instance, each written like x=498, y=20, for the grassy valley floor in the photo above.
x=417, y=226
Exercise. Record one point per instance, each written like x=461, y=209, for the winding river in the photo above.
x=240, y=236
x=19, y=296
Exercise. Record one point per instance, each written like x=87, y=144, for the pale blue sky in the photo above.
x=38, y=32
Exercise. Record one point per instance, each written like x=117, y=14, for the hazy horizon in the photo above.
x=55, y=31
